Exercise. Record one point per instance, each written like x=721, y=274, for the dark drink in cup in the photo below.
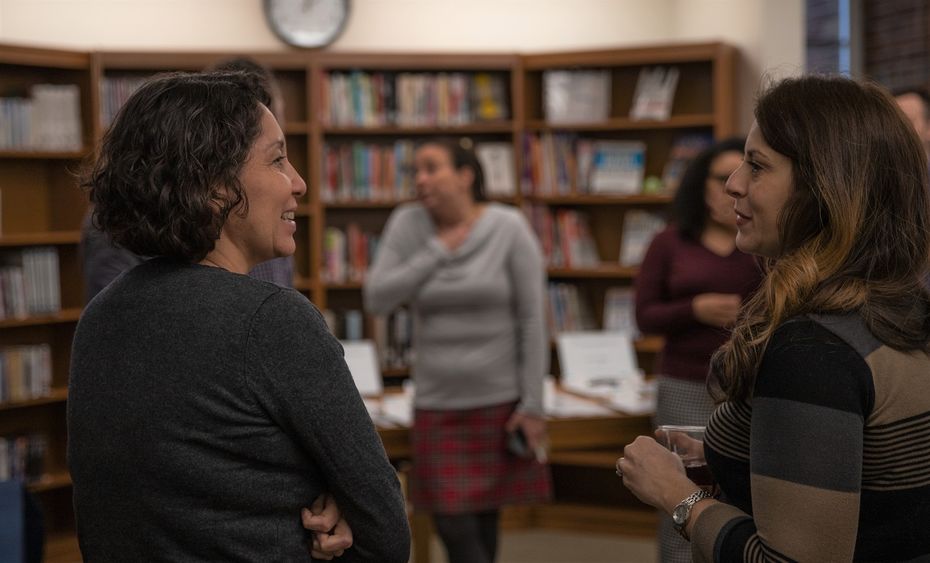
x=698, y=472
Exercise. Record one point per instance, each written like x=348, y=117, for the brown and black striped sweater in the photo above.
x=831, y=460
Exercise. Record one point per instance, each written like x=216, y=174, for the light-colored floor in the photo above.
x=555, y=546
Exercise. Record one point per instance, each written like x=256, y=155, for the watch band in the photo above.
x=682, y=512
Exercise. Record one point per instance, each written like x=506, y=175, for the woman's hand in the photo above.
x=716, y=309
x=534, y=428
x=654, y=474
x=331, y=533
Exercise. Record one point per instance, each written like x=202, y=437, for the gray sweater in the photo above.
x=479, y=330
x=205, y=410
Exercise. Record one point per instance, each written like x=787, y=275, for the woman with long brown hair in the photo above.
x=820, y=443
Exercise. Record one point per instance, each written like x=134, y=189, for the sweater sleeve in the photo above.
x=402, y=265
x=302, y=381
x=528, y=279
x=656, y=312
x=809, y=407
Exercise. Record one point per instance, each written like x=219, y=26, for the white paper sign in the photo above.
x=596, y=362
x=363, y=363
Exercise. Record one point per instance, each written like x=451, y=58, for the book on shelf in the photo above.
x=361, y=171
x=684, y=148
x=617, y=167
x=565, y=237
x=654, y=93
x=412, y=99
x=25, y=372
x=114, y=91
x=576, y=96
x=12, y=518
x=489, y=96
x=548, y=164
x=29, y=282
x=639, y=228
x=48, y=119
x=22, y=457
x=499, y=173
x=620, y=311
x=347, y=253
x=567, y=309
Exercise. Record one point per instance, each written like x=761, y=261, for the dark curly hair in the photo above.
x=690, y=207
x=167, y=172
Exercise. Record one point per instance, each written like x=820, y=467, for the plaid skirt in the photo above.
x=461, y=463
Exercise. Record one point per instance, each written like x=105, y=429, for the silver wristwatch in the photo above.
x=682, y=512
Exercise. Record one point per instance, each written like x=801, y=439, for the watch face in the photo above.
x=307, y=23
x=681, y=513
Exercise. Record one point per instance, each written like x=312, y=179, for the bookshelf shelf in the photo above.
x=346, y=286
x=50, y=482
x=601, y=272
x=57, y=395
x=627, y=124
x=363, y=204
x=69, y=315
x=42, y=155
x=40, y=239
x=595, y=199
x=426, y=130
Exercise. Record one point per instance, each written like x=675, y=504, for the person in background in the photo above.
x=826, y=377
x=915, y=103
x=103, y=261
x=206, y=408
x=689, y=289
x=473, y=274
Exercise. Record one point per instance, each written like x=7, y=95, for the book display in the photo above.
x=352, y=122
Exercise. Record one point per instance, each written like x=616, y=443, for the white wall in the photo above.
x=769, y=34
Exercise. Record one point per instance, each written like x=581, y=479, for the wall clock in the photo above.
x=307, y=23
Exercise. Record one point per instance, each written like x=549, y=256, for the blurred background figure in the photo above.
x=689, y=289
x=473, y=274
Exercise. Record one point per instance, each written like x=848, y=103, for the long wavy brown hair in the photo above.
x=855, y=233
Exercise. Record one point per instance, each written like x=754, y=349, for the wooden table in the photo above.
x=590, y=441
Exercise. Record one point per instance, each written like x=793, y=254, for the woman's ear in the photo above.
x=466, y=177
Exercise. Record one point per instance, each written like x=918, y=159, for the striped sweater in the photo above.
x=830, y=461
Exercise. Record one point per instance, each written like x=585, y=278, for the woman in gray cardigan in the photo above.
x=473, y=274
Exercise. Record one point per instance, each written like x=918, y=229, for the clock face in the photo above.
x=307, y=23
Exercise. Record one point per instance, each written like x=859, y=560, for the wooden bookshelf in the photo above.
x=42, y=206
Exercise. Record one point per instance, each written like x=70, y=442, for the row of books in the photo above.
x=22, y=457
x=584, y=96
x=391, y=334
x=364, y=99
x=563, y=163
x=568, y=310
x=25, y=372
x=29, y=283
x=114, y=91
x=347, y=253
x=565, y=236
x=361, y=171
x=48, y=119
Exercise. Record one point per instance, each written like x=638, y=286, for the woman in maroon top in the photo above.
x=689, y=290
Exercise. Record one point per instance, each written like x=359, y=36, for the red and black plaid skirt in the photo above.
x=461, y=463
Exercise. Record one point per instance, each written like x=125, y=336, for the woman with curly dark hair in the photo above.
x=820, y=444
x=207, y=408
